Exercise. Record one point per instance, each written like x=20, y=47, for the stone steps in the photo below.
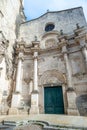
x=50, y=122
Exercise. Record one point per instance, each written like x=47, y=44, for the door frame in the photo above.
x=63, y=93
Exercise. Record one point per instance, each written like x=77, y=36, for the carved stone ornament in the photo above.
x=50, y=43
x=52, y=76
x=4, y=52
x=8, y=66
x=3, y=44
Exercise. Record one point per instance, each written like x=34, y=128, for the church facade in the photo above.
x=43, y=62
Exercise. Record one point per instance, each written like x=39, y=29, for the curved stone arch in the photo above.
x=52, y=77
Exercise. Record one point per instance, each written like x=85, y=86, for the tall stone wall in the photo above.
x=11, y=15
x=57, y=65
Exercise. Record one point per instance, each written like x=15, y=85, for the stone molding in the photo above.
x=52, y=77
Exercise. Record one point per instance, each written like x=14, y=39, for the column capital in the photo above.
x=80, y=38
x=35, y=56
x=20, y=56
x=83, y=45
x=70, y=89
x=64, y=49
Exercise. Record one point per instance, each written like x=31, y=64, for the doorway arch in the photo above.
x=52, y=79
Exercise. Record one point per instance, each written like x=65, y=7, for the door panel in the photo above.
x=53, y=100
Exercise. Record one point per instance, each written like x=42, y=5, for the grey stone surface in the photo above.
x=63, y=20
x=61, y=58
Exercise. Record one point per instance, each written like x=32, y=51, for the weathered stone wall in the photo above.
x=27, y=76
x=11, y=15
x=63, y=20
x=51, y=62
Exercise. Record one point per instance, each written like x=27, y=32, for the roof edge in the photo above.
x=51, y=12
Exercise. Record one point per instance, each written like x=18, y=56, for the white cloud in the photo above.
x=36, y=8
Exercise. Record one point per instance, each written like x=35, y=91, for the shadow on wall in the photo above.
x=81, y=103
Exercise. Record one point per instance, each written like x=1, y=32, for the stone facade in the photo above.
x=45, y=52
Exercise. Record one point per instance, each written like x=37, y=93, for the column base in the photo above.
x=34, y=103
x=16, y=100
x=34, y=110
x=71, y=98
x=72, y=112
x=13, y=111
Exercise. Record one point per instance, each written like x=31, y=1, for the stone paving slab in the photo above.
x=61, y=120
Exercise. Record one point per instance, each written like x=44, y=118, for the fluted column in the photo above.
x=19, y=71
x=35, y=71
x=68, y=68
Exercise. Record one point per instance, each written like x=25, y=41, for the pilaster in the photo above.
x=16, y=97
x=84, y=52
x=71, y=95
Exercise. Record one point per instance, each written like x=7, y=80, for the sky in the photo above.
x=35, y=8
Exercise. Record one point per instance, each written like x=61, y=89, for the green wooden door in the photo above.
x=53, y=100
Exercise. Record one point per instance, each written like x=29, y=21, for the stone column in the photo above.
x=17, y=94
x=35, y=71
x=18, y=77
x=71, y=95
x=35, y=94
x=68, y=68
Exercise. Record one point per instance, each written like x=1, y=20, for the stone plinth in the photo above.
x=13, y=111
x=34, y=103
x=16, y=100
x=71, y=98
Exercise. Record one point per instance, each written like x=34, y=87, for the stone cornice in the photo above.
x=79, y=30
x=54, y=32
